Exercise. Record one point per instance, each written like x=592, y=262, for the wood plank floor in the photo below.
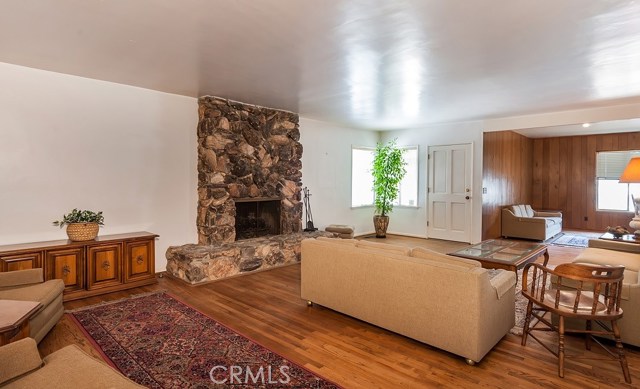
x=267, y=307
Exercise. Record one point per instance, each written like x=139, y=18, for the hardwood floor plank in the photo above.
x=267, y=307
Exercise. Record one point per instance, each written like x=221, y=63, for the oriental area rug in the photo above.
x=521, y=307
x=160, y=342
x=521, y=304
x=569, y=240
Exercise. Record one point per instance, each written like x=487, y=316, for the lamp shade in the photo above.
x=631, y=173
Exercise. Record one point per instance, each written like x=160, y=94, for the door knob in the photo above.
x=467, y=197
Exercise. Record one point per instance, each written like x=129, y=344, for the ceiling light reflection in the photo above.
x=363, y=67
x=412, y=80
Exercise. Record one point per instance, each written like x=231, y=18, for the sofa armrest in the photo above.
x=21, y=277
x=547, y=214
x=503, y=282
x=613, y=245
x=18, y=358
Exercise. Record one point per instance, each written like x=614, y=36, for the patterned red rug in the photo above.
x=160, y=342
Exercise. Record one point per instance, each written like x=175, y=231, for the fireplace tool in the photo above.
x=307, y=210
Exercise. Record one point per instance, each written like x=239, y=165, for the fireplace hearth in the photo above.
x=257, y=217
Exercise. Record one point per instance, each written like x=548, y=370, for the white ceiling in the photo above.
x=375, y=64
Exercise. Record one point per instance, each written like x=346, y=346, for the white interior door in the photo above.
x=449, y=214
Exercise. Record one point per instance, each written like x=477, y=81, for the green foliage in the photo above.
x=79, y=216
x=388, y=170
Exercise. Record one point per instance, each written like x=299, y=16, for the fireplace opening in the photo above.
x=257, y=217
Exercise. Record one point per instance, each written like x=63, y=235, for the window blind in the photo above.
x=611, y=164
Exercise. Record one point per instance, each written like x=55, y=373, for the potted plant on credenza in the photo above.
x=81, y=225
x=388, y=170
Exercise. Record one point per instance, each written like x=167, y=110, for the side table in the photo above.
x=14, y=319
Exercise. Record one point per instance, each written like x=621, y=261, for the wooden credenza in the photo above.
x=105, y=264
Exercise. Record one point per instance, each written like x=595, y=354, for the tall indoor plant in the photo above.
x=388, y=170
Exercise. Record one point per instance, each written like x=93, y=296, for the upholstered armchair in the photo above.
x=520, y=221
x=29, y=285
x=22, y=368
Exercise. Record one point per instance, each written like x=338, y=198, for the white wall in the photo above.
x=326, y=171
x=70, y=142
x=413, y=221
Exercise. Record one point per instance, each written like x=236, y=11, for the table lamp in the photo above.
x=631, y=175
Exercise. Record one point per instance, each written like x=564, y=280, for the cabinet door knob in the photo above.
x=66, y=269
x=139, y=259
x=106, y=265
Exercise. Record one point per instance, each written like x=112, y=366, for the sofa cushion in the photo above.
x=550, y=221
x=45, y=292
x=419, y=252
x=528, y=211
x=522, y=210
x=384, y=246
x=339, y=228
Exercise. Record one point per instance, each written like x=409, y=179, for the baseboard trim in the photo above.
x=391, y=233
x=408, y=235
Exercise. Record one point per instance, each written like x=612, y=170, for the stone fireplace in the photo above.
x=257, y=217
x=246, y=152
x=249, y=192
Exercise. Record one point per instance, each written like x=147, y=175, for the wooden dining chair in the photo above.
x=581, y=291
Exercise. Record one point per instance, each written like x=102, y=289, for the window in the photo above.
x=408, y=193
x=362, y=181
x=612, y=195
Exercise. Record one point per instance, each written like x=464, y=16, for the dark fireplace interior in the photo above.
x=257, y=218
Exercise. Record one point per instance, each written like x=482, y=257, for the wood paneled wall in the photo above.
x=564, y=171
x=507, y=176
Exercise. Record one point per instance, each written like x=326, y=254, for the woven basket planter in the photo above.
x=79, y=232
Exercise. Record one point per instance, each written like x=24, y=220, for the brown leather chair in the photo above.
x=587, y=292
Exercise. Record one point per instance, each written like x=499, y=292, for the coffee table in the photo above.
x=14, y=319
x=504, y=254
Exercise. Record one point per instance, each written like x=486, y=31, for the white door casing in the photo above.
x=449, y=213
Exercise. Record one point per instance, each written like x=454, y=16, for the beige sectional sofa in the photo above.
x=607, y=252
x=447, y=302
